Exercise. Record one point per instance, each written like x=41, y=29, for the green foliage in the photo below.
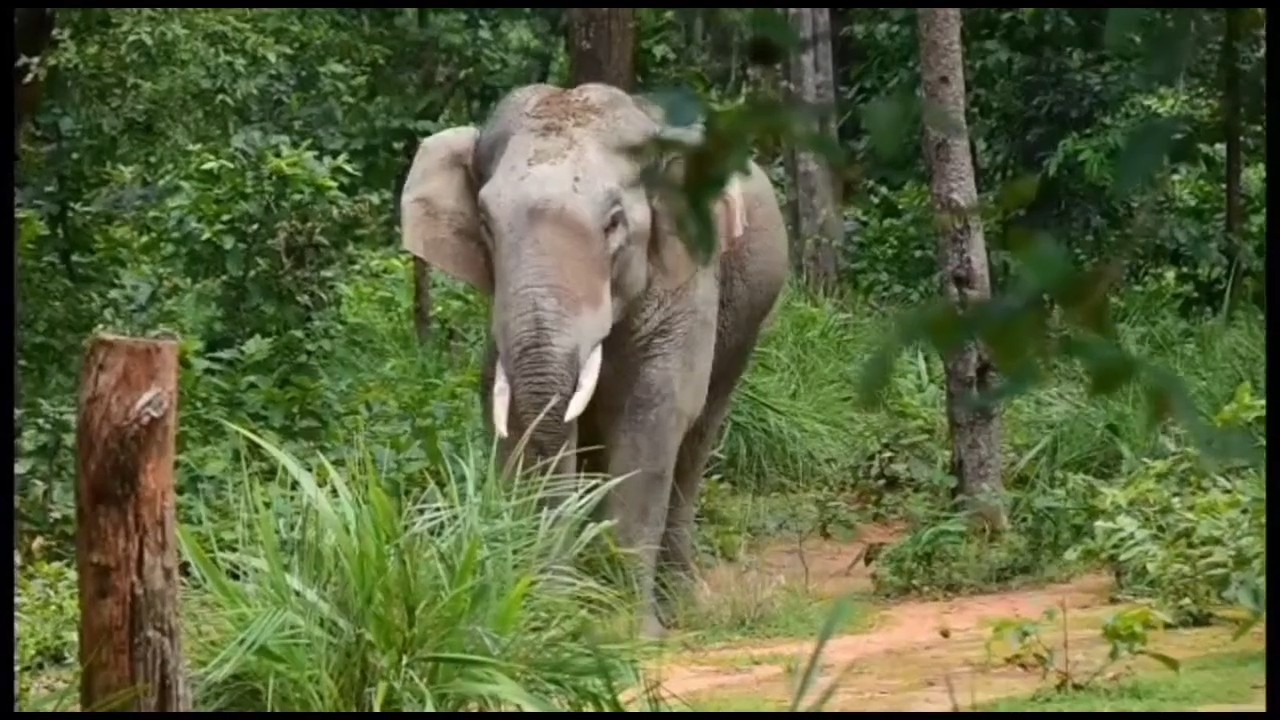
x=230, y=175
x=1191, y=536
x=342, y=595
x=802, y=401
x=1020, y=644
x=1224, y=679
x=1173, y=528
x=1157, y=113
x=48, y=611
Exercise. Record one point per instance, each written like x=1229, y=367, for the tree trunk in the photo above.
x=602, y=46
x=1232, y=129
x=975, y=429
x=847, y=122
x=421, y=270
x=33, y=31
x=815, y=207
x=126, y=543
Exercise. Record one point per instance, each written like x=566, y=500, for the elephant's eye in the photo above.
x=616, y=219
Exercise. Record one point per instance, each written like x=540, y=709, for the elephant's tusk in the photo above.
x=501, y=400
x=586, y=385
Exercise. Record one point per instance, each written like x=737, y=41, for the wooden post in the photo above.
x=126, y=545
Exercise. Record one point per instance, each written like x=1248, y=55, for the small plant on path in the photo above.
x=1126, y=634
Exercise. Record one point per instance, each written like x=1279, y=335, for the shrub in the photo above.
x=1184, y=533
x=48, y=615
x=1067, y=454
x=793, y=411
x=339, y=595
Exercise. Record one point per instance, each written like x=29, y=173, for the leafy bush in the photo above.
x=1019, y=643
x=340, y=591
x=48, y=612
x=230, y=175
x=1188, y=535
x=1170, y=527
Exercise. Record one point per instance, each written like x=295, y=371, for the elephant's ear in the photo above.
x=669, y=253
x=439, y=220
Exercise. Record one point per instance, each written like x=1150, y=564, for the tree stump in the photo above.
x=126, y=546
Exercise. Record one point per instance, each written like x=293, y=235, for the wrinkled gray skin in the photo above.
x=543, y=209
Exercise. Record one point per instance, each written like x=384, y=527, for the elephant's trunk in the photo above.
x=541, y=372
x=542, y=378
x=552, y=310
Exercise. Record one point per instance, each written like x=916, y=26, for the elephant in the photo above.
x=602, y=322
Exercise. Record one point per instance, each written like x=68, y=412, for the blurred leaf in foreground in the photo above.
x=1143, y=153
x=889, y=122
x=724, y=148
x=1123, y=26
x=1015, y=327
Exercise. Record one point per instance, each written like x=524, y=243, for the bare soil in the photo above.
x=917, y=656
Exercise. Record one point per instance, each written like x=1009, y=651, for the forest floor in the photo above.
x=930, y=655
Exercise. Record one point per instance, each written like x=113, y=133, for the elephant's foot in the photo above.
x=651, y=627
x=677, y=592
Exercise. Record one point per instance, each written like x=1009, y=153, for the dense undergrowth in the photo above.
x=1089, y=483
x=401, y=576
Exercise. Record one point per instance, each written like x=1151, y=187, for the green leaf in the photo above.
x=681, y=106
x=1110, y=368
x=888, y=123
x=1019, y=192
x=772, y=36
x=1170, y=52
x=835, y=619
x=1170, y=662
x=876, y=373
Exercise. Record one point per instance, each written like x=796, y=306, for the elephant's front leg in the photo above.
x=643, y=443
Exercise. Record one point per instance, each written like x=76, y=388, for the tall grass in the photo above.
x=338, y=596
x=794, y=408
x=794, y=421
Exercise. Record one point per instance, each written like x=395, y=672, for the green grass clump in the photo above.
x=338, y=596
x=793, y=410
x=1066, y=452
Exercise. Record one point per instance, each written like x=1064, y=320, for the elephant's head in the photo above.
x=544, y=208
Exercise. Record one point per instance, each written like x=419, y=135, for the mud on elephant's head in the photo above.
x=545, y=208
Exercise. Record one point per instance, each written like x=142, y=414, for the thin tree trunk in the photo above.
x=827, y=85
x=602, y=46
x=975, y=429
x=816, y=220
x=126, y=534
x=1234, y=225
x=421, y=270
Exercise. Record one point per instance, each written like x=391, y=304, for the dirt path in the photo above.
x=924, y=656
